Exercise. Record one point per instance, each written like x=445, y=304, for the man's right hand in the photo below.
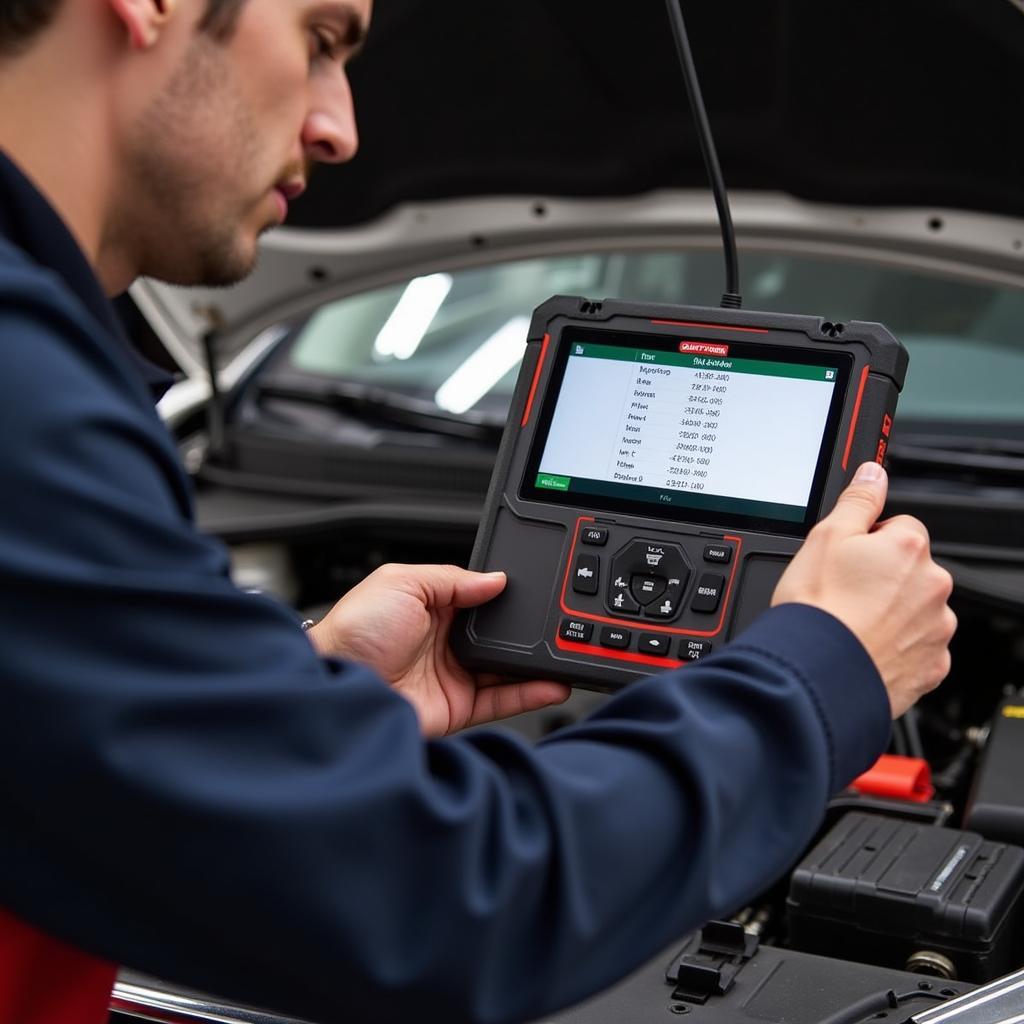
x=879, y=580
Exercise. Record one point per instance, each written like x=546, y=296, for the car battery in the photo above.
x=996, y=805
x=898, y=894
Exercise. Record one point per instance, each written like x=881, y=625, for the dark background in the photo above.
x=910, y=102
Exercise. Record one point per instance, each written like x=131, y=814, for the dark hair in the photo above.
x=22, y=20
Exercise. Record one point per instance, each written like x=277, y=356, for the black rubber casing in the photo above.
x=535, y=542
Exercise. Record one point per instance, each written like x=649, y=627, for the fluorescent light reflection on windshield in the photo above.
x=500, y=353
x=412, y=316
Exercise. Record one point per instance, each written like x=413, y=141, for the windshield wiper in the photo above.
x=367, y=401
x=992, y=459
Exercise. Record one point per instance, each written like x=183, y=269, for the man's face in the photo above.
x=212, y=159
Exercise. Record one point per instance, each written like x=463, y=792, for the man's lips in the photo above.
x=282, y=204
x=285, y=193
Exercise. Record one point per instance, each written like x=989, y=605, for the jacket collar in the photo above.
x=32, y=224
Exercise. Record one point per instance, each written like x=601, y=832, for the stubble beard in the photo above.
x=187, y=221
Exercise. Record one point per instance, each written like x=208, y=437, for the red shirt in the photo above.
x=45, y=981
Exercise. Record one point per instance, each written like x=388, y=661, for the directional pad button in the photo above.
x=647, y=588
x=663, y=608
x=620, y=598
x=648, y=577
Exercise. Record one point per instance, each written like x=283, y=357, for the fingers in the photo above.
x=503, y=700
x=908, y=523
x=860, y=505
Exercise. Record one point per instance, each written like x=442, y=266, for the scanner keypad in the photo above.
x=651, y=581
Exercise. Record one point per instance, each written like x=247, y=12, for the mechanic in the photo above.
x=192, y=788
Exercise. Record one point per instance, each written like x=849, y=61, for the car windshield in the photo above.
x=454, y=340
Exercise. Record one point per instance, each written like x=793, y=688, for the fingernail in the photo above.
x=495, y=574
x=869, y=473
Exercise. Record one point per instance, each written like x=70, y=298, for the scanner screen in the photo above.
x=740, y=434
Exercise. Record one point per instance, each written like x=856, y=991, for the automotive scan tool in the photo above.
x=661, y=465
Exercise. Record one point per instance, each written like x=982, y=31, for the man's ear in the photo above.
x=143, y=19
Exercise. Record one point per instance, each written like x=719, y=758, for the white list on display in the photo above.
x=703, y=429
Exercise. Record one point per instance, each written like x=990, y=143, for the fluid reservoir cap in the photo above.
x=927, y=961
x=897, y=777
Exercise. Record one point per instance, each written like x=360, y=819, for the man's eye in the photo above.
x=324, y=45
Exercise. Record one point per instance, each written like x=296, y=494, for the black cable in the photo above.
x=912, y=731
x=953, y=774
x=731, y=298
x=899, y=739
x=215, y=413
x=879, y=1004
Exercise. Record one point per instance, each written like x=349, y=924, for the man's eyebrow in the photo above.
x=354, y=28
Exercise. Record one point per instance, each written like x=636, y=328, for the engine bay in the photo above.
x=916, y=891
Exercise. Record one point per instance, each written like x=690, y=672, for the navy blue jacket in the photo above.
x=187, y=789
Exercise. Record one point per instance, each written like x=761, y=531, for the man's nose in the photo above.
x=329, y=134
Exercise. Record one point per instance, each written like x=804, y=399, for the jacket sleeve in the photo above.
x=188, y=790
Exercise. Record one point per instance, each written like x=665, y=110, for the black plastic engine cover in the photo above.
x=879, y=890
x=773, y=986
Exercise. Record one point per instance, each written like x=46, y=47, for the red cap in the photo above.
x=902, y=778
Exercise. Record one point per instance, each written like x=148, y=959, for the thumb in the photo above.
x=860, y=505
x=472, y=588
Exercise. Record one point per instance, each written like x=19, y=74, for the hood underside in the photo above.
x=917, y=102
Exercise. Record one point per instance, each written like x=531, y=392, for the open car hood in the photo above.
x=870, y=102
x=498, y=126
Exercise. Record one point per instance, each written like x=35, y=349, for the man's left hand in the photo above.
x=397, y=621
